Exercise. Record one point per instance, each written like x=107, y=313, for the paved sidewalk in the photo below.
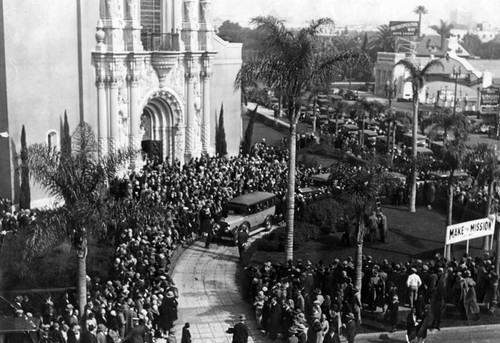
x=209, y=296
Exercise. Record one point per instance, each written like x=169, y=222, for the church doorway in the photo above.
x=156, y=129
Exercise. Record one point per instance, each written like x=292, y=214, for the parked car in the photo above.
x=253, y=211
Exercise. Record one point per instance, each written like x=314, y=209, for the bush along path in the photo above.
x=209, y=296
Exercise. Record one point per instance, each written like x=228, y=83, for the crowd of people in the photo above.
x=317, y=302
x=295, y=300
x=139, y=297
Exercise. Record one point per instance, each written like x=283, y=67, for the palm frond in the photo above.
x=430, y=65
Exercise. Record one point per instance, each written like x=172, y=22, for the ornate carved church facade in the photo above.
x=157, y=86
x=159, y=92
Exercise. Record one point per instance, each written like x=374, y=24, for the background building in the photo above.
x=469, y=77
x=159, y=88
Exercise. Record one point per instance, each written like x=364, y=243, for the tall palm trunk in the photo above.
x=81, y=258
x=314, y=114
x=336, y=123
x=388, y=143
x=362, y=139
x=290, y=197
x=359, y=253
x=393, y=141
x=449, y=218
x=413, y=194
x=486, y=239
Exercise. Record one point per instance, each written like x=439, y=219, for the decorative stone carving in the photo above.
x=176, y=81
x=122, y=130
x=197, y=95
x=132, y=9
x=190, y=14
x=179, y=145
x=114, y=9
x=175, y=106
x=206, y=12
x=162, y=63
x=145, y=127
x=100, y=35
x=151, y=79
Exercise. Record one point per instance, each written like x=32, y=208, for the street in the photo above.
x=477, y=334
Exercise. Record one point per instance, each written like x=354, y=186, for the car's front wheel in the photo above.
x=268, y=223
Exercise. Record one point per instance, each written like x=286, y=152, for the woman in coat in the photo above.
x=168, y=312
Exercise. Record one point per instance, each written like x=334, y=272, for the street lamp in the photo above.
x=456, y=74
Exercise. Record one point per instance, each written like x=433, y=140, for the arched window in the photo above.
x=53, y=139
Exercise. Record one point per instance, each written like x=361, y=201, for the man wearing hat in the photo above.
x=350, y=328
x=242, y=241
x=240, y=331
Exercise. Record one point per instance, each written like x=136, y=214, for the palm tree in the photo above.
x=420, y=10
x=81, y=179
x=444, y=30
x=289, y=59
x=417, y=77
x=392, y=120
x=455, y=153
x=484, y=161
x=359, y=187
x=384, y=40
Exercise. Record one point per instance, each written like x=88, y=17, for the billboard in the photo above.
x=469, y=230
x=403, y=28
x=490, y=96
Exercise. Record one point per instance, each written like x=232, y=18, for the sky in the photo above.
x=354, y=12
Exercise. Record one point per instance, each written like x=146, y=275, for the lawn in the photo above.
x=417, y=235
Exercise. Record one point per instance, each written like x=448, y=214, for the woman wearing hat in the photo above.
x=469, y=296
x=168, y=312
x=292, y=335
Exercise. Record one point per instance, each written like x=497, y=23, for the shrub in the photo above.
x=276, y=239
x=324, y=214
x=303, y=233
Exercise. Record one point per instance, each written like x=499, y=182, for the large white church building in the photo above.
x=149, y=74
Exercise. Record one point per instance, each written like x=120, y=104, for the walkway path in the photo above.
x=209, y=297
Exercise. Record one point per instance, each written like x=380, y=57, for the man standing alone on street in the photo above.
x=240, y=331
x=242, y=241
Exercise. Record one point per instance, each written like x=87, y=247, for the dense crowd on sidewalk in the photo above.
x=293, y=298
x=316, y=301
x=140, y=292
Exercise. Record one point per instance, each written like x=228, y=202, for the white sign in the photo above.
x=470, y=230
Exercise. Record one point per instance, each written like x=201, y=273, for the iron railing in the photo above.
x=160, y=41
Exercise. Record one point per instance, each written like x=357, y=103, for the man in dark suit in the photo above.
x=240, y=331
x=89, y=336
x=242, y=241
x=139, y=334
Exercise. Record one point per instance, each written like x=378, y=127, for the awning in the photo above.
x=320, y=177
x=351, y=127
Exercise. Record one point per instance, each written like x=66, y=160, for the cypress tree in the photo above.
x=25, y=195
x=222, y=134
x=247, y=139
x=65, y=138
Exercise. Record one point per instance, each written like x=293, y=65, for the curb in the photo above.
x=399, y=333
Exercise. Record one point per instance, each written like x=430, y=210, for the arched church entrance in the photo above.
x=157, y=140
